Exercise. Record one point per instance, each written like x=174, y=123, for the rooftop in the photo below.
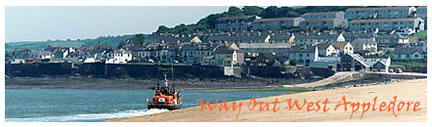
x=378, y=8
x=321, y=13
x=382, y=20
x=274, y=19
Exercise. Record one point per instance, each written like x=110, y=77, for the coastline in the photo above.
x=143, y=84
x=407, y=90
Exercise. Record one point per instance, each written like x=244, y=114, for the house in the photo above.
x=424, y=17
x=400, y=24
x=265, y=59
x=239, y=38
x=303, y=55
x=98, y=51
x=264, y=47
x=326, y=49
x=378, y=64
x=229, y=56
x=80, y=55
x=282, y=38
x=235, y=23
x=379, y=13
x=355, y=62
x=171, y=38
x=157, y=52
x=195, y=52
x=326, y=62
x=276, y=23
x=45, y=55
x=362, y=44
x=324, y=24
x=422, y=13
x=343, y=47
x=324, y=15
x=351, y=36
x=409, y=53
x=314, y=38
x=391, y=40
x=118, y=57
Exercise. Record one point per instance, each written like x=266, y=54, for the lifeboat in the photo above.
x=165, y=98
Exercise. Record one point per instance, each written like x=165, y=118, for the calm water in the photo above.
x=33, y=105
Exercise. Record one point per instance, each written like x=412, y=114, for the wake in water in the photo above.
x=89, y=117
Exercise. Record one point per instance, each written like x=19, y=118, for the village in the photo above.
x=358, y=39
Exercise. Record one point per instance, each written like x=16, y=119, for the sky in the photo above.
x=39, y=23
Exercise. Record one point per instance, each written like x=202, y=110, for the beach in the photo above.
x=407, y=91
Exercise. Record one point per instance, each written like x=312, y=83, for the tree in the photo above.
x=162, y=29
x=234, y=11
x=292, y=14
x=271, y=12
x=252, y=10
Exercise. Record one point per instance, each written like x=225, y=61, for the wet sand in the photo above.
x=410, y=90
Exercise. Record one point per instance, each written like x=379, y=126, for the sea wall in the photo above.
x=138, y=71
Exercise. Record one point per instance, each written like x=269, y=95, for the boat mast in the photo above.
x=166, y=81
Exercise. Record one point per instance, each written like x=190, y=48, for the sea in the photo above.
x=65, y=105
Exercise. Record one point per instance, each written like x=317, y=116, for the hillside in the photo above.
x=209, y=22
x=109, y=40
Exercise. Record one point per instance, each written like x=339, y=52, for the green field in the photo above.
x=33, y=45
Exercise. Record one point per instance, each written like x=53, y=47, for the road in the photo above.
x=332, y=79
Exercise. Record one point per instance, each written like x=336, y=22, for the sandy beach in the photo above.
x=406, y=91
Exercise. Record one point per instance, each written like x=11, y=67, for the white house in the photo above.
x=344, y=47
x=362, y=44
x=326, y=49
x=119, y=57
x=45, y=55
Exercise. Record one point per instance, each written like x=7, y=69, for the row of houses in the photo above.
x=408, y=19
x=98, y=52
x=327, y=55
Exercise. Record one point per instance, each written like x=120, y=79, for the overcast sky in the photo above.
x=29, y=23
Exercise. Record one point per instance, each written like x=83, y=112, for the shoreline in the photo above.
x=407, y=90
x=224, y=84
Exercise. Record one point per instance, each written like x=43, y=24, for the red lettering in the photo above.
x=296, y=103
x=207, y=103
x=345, y=103
x=415, y=106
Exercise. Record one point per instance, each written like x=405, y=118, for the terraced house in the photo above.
x=229, y=56
x=195, y=52
x=324, y=15
x=235, y=23
x=379, y=13
x=276, y=23
x=238, y=38
x=324, y=24
x=304, y=55
x=402, y=24
x=314, y=38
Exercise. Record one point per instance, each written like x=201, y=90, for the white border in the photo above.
x=200, y=3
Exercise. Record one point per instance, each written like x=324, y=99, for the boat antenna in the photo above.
x=157, y=77
x=166, y=81
x=172, y=74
